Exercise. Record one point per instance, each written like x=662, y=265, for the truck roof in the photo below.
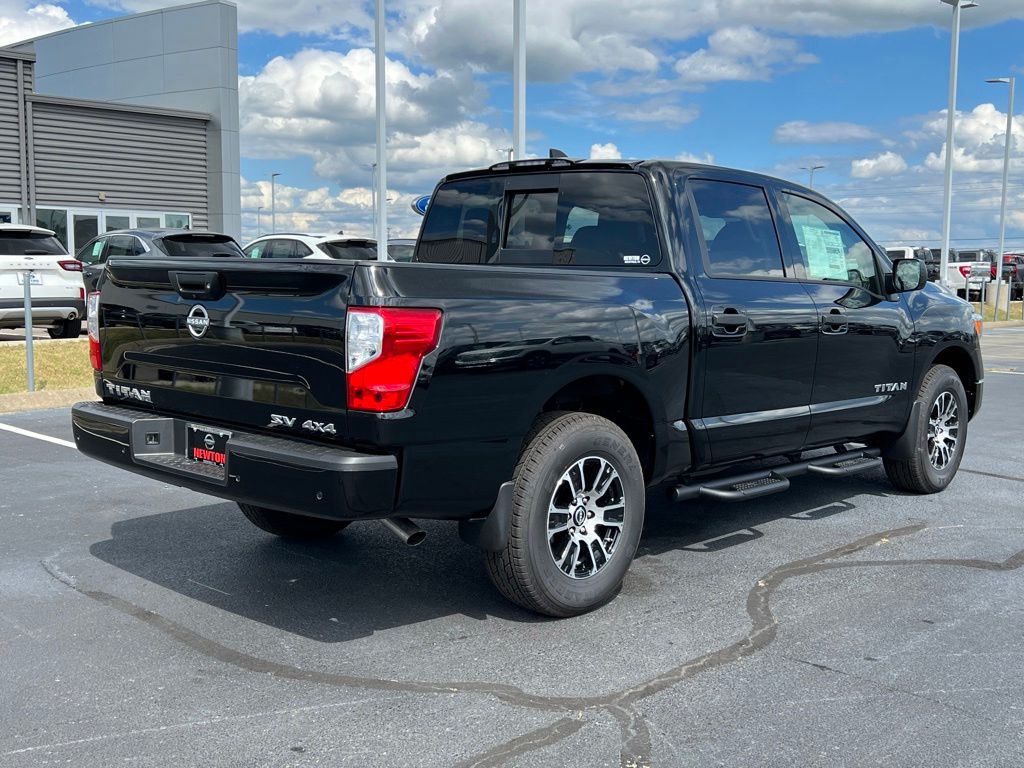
x=547, y=165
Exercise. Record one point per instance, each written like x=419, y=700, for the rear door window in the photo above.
x=121, y=245
x=739, y=234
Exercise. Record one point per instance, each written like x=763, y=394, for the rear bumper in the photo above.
x=322, y=481
x=12, y=311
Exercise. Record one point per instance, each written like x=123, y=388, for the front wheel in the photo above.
x=291, y=526
x=577, y=514
x=942, y=435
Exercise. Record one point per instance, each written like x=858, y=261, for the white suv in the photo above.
x=55, y=282
x=291, y=245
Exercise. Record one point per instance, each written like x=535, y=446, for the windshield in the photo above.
x=350, y=250
x=199, y=245
x=30, y=243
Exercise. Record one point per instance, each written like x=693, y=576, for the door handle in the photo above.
x=835, y=322
x=729, y=322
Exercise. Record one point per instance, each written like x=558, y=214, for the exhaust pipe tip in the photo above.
x=406, y=530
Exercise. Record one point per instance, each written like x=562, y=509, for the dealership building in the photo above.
x=130, y=122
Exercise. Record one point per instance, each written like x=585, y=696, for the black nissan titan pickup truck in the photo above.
x=569, y=335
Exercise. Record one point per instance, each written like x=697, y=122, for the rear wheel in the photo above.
x=65, y=329
x=942, y=435
x=289, y=525
x=578, y=510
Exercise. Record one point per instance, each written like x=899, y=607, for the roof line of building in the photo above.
x=39, y=98
x=113, y=19
x=10, y=53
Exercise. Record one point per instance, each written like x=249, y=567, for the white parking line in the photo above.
x=37, y=436
x=1009, y=373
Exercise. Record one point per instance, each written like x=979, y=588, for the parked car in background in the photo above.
x=401, y=249
x=296, y=245
x=967, y=272
x=1015, y=261
x=58, y=294
x=930, y=258
x=160, y=243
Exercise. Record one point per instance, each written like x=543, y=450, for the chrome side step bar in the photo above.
x=752, y=485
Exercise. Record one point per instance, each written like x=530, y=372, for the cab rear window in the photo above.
x=572, y=219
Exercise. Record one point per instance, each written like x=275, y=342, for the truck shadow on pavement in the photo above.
x=364, y=581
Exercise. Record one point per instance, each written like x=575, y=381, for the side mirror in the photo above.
x=909, y=275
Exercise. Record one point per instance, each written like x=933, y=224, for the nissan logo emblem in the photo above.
x=209, y=442
x=198, y=321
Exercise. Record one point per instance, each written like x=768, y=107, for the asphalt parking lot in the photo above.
x=840, y=623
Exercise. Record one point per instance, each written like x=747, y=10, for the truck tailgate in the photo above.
x=229, y=341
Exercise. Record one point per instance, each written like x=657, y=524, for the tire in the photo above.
x=66, y=329
x=934, y=463
x=291, y=526
x=560, y=447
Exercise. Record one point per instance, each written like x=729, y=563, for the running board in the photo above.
x=776, y=479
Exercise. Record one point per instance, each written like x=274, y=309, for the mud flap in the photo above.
x=491, y=533
x=908, y=444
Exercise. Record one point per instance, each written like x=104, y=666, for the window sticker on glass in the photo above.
x=826, y=256
x=97, y=249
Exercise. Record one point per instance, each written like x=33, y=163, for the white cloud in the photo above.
x=20, y=21
x=605, y=152
x=321, y=211
x=688, y=157
x=885, y=164
x=803, y=132
x=740, y=53
x=980, y=140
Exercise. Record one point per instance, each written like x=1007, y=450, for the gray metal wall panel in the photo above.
x=10, y=143
x=139, y=161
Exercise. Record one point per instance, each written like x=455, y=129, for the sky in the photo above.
x=774, y=87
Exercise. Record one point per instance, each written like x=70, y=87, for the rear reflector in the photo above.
x=93, y=326
x=384, y=348
x=965, y=271
x=70, y=265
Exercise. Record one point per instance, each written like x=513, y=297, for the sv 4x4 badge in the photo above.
x=277, y=420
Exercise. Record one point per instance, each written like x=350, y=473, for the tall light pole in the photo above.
x=381, y=218
x=811, y=169
x=507, y=152
x=1012, y=81
x=519, y=79
x=259, y=220
x=947, y=201
x=273, y=202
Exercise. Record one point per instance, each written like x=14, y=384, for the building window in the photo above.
x=55, y=219
x=148, y=222
x=117, y=222
x=86, y=226
x=178, y=221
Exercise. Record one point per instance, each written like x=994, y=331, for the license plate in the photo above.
x=35, y=278
x=204, y=445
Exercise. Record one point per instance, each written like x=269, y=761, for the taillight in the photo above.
x=70, y=265
x=965, y=271
x=93, y=326
x=384, y=347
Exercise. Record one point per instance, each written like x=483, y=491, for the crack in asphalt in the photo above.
x=576, y=712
